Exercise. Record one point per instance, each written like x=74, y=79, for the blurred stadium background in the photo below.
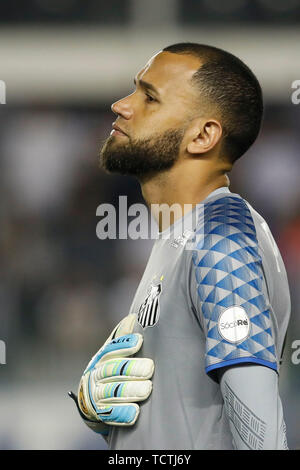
x=62, y=290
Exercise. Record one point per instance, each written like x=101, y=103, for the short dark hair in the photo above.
x=229, y=84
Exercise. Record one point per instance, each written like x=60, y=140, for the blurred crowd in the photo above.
x=62, y=289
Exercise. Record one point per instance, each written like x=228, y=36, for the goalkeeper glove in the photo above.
x=112, y=383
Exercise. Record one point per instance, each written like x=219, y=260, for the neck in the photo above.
x=182, y=188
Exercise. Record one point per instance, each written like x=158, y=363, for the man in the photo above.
x=195, y=363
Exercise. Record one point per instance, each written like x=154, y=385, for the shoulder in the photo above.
x=223, y=221
x=225, y=237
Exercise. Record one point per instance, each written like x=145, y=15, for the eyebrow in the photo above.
x=146, y=86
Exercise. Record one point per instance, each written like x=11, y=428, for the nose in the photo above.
x=122, y=108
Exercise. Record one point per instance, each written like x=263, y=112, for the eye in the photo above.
x=149, y=98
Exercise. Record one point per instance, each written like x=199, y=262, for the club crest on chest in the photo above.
x=150, y=309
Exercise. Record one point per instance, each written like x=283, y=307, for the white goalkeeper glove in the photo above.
x=112, y=383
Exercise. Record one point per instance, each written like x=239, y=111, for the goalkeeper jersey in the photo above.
x=213, y=295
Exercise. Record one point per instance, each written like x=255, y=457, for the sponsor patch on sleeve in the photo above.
x=234, y=324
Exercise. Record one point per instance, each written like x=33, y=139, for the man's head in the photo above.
x=191, y=101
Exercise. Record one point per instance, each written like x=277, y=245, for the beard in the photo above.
x=141, y=157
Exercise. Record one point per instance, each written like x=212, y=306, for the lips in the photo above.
x=117, y=128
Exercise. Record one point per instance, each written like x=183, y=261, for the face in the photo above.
x=153, y=119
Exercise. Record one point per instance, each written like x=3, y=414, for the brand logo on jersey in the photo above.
x=234, y=324
x=149, y=310
x=182, y=239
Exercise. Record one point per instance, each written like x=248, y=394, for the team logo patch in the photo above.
x=149, y=310
x=234, y=324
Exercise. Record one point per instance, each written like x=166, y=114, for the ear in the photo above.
x=204, y=136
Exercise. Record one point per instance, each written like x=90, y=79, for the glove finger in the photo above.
x=123, y=346
x=118, y=392
x=124, y=369
x=125, y=327
x=119, y=415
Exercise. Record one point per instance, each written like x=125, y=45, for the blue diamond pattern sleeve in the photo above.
x=229, y=291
